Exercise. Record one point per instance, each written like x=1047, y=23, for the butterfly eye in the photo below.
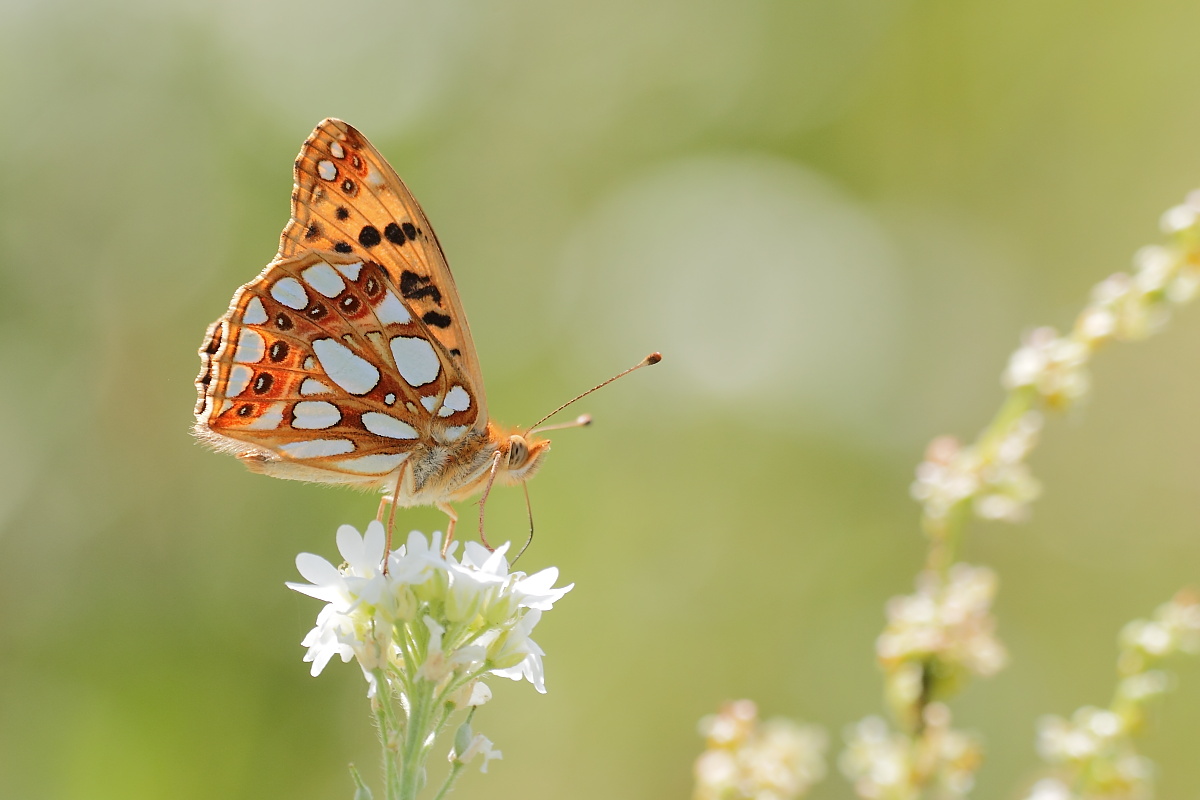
x=517, y=453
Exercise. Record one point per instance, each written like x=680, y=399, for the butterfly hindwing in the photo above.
x=321, y=366
x=348, y=200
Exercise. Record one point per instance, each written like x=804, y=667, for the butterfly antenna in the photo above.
x=653, y=358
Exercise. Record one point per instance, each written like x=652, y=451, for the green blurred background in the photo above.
x=835, y=219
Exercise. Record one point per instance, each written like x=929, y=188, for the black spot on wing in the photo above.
x=343, y=247
x=369, y=236
x=418, y=287
x=394, y=234
x=436, y=319
x=411, y=230
x=343, y=212
x=314, y=230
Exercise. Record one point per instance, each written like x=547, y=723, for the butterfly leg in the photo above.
x=391, y=521
x=453, y=518
x=487, y=489
x=383, y=503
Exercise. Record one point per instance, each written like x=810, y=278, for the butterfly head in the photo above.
x=523, y=455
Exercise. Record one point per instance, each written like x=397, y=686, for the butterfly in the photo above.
x=348, y=360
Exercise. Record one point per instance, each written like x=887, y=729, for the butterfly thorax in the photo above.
x=447, y=473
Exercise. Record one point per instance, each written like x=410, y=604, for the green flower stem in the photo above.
x=456, y=767
x=412, y=756
x=389, y=728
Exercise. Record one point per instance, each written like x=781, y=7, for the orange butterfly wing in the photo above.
x=349, y=200
x=321, y=371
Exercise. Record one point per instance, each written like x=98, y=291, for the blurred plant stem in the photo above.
x=940, y=636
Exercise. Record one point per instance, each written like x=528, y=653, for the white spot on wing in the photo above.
x=389, y=398
x=457, y=399
x=429, y=402
x=376, y=464
x=251, y=346
x=389, y=426
x=313, y=386
x=416, y=360
x=289, y=292
x=316, y=448
x=315, y=415
x=309, y=364
x=391, y=310
x=336, y=150
x=327, y=170
x=373, y=176
x=255, y=313
x=350, y=270
x=322, y=278
x=270, y=419
x=351, y=372
x=454, y=433
x=239, y=379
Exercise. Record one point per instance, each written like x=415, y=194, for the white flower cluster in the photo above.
x=1095, y=742
x=1174, y=628
x=887, y=765
x=1096, y=745
x=1055, y=366
x=995, y=478
x=948, y=622
x=751, y=760
x=1183, y=217
x=428, y=617
x=1123, y=307
x=877, y=761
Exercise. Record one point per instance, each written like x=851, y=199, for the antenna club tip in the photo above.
x=653, y=358
x=583, y=420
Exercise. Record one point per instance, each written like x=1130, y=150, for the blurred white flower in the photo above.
x=998, y=483
x=751, y=760
x=878, y=761
x=1052, y=365
x=1050, y=789
x=1174, y=628
x=1179, y=218
x=949, y=621
x=887, y=765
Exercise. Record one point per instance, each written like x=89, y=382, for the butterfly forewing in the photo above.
x=322, y=370
x=349, y=200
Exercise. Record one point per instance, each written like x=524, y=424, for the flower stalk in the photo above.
x=1094, y=754
x=936, y=639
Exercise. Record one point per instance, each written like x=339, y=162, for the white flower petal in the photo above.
x=349, y=544
x=317, y=570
